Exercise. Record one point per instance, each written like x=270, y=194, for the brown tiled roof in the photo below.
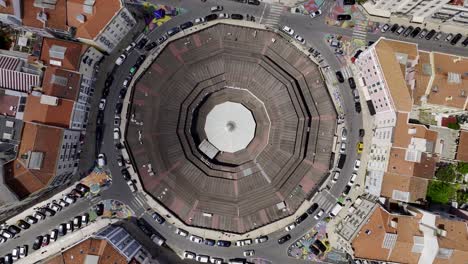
x=398, y=165
x=462, y=151
x=36, y=138
x=97, y=247
x=8, y=103
x=392, y=70
x=402, y=138
x=8, y=9
x=449, y=94
x=69, y=91
x=103, y=12
x=72, y=58
x=417, y=187
x=59, y=115
x=422, y=78
x=56, y=18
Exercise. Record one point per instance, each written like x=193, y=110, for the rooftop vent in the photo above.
x=81, y=18
x=49, y=4
x=34, y=160
x=41, y=16
x=454, y=78
x=394, y=223
x=418, y=244
x=49, y=100
x=59, y=80
x=57, y=52
x=441, y=230
x=412, y=131
x=88, y=6
x=435, y=89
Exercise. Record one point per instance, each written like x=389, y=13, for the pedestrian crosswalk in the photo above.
x=346, y=72
x=271, y=17
x=325, y=200
x=360, y=30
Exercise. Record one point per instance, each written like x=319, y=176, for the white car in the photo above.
x=132, y=185
x=261, y=239
x=385, y=28
x=244, y=242
x=344, y=134
x=181, y=232
x=223, y=15
x=189, y=255
x=101, y=161
x=23, y=251
x=288, y=30
x=199, y=20
x=336, y=175
x=120, y=59
x=116, y=133
x=216, y=8
x=316, y=13
x=353, y=178
x=319, y=214
x=216, y=260
x=290, y=227
x=300, y=39
x=202, y=258
x=357, y=164
x=15, y=254
x=249, y=253
x=343, y=147
x=196, y=239
x=102, y=104
x=130, y=47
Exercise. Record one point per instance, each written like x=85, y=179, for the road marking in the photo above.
x=274, y=14
x=263, y=12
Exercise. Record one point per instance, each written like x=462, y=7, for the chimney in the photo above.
x=441, y=230
x=394, y=222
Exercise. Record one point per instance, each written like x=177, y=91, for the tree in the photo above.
x=462, y=197
x=440, y=192
x=446, y=173
x=462, y=167
x=454, y=126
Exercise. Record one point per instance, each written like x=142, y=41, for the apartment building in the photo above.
x=415, y=237
x=101, y=23
x=17, y=74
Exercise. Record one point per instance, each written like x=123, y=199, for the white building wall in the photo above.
x=115, y=30
x=68, y=156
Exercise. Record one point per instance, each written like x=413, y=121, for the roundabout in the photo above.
x=237, y=127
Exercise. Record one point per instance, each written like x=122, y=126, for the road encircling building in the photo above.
x=237, y=128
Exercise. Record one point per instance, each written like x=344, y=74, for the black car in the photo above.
x=312, y=209
x=37, y=243
x=14, y=230
x=237, y=16
x=173, y=31
x=357, y=54
x=339, y=76
x=31, y=219
x=211, y=17
x=23, y=224
x=118, y=108
x=186, y=25
x=465, y=42
x=122, y=93
x=210, y=242
x=301, y=218
x=319, y=244
x=151, y=46
x=140, y=59
x=142, y=43
x=253, y=2
x=415, y=32
x=346, y=190
x=82, y=188
x=455, y=39
x=362, y=132
x=109, y=81
x=100, y=118
x=99, y=209
x=158, y=218
x=47, y=211
x=394, y=28
x=76, y=192
x=314, y=250
x=343, y=17
x=223, y=243
x=408, y=31
x=357, y=107
x=105, y=92
x=125, y=174
x=77, y=222
x=430, y=34
x=284, y=239
x=351, y=82
x=62, y=229
x=349, y=2
x=162, y=39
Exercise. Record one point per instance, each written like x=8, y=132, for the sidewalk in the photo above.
x=68, y=241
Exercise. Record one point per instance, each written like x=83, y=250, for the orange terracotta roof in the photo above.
x=35, y=138
x=422, y=77
x=392, y=70
x=72, y=58
x=462, y=151
x=59, y=115
x=397, y=164
x=8, y=103
x=97, y=247
x=56, y=18
x=102, y=14
x=403, y=138
x=71, y=88
x=417, y=187
x=8, y=9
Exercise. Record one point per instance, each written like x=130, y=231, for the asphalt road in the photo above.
x=313, y=31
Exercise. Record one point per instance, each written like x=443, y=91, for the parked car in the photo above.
x=102, y=104
x=343, y=17
x=455, y=39
x=189, y=255
x=70, y=226
x=151, y=46
x=253, y=2
x=352, y=83
x=142, y=43
x=394, y=28
x=120, y=59
x=216, y=8
x=210, y=242
x=199, y=20
x=249, y=253
x=6, y=234
x=385, y=28
x=62, y=203
x=300, y=39
x=465, y=42
x=316, y=13
x=408, y=31
x=339, y=76
x=237, y=16
x=312, y=208
x=85, y=219
x=449, y=37
x=211, y=17
x=158, y=218
x=353, y=178
x=31, y=219
x=23, y=251
x=346, y=190
x=15, y=254
x=223, y=16
x=336, y=176
x=62, y=229
x=438, y=36
x=70, y=199
x=181, y=232
x=360, y=147
x=430, y=34
x=23, y=224
x=357, y=164
x=186, y=25
x=48, y=211
x=45, y=240
x=130, y=47
x=14, y=230
x=54, y=235
x=37, y=243
x=415, y=32
x=400, y=30
x=173, y=31
x=319, y=214
x=288, y=30
x=101, y=160
x=125, y=174
x=290, y=227
x=362, y=132
x=202, y=258
x=261, y=239
x=196, y=239
x=301, y=218
x=39, y=215
x=118, y=108
x=357, y=107
x=284, y=239
x=423, y=33
x=99, y=209
x=162, y=39
x=343, y=147
x=344, y=134
x=77, y=222
x=223, y=243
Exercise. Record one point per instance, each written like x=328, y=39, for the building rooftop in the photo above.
x=62, y=53
x=37, y=159
x=404, y=188
x=55, y=17
x=8, y=9
x=405, y=132
x=61, y=83
x=390, y=54
x=57, y=115
x=96, y=17
x=422, y=76
x=462, y=150
x=9, y=103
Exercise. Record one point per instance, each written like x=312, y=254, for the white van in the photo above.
x=132, y=186
x=158, y=240
x=353, y=178
x=116, y=133
x=336, y=209
x=336, y=175
x=202, y=258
